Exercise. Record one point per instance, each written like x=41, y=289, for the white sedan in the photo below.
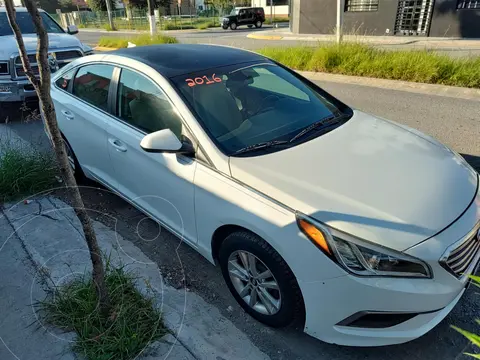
x=363, y=228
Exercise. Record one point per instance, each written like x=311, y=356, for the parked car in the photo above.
x=364, y=228
x=14, y=85
x=244, y=16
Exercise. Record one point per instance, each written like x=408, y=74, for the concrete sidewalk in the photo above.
x=47, y=232
x=401, y=41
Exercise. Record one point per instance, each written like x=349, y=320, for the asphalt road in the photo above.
x=455, y=122
x=238, y=38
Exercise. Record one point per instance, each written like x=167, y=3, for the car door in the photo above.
x=242, y=17
x=81, y=103
x=159, y=183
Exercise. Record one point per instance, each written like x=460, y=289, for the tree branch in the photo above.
x=21, y=45
x=42, y=43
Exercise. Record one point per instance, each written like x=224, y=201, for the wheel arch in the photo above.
x=222, y=232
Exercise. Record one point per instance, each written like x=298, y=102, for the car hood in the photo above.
x=56, y=41
x=372, y=178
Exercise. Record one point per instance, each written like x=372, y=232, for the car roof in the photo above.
x=176, y=59
x=17, y=9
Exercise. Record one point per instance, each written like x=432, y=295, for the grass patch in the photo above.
x=276, y=19
x=133, y=323
x=24, y=171
x=362, y=60
x=146, y=39
x=108, y=27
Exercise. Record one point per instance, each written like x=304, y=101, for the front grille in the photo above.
x=31, y=58
x=67, y=55
x=460, y=258
x=4, y=68
x=62, y=58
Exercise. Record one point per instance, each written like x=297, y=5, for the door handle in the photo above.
x=68, y=115
x=117, y=145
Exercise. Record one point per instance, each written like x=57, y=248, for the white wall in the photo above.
x=277, y=10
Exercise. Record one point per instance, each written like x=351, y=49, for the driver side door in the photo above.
x=159, y=183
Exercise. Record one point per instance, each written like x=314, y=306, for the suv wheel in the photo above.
x=258, y=24
x=259, y=279
x=224, y=27
x=233, y=25
x=250, y=26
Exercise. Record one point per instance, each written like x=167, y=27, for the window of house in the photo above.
x=64, y=81
x=92, y=83
x=361, y=5
x=277, y=2
x=144, y=105
x=468, y=4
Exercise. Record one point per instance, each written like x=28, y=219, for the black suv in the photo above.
x=244, y=16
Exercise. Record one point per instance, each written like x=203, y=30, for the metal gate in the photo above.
x=413, y=17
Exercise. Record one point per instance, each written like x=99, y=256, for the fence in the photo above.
x=137, y=19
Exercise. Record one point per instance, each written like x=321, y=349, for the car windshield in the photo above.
x=247, y=105
x=25, y=23
x=234, y=11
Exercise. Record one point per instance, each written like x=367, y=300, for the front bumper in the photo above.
x=16, y=90
x=329, y=302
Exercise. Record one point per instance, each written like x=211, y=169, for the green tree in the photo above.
x=142, y=4
x=50, y=6
x=100, y=5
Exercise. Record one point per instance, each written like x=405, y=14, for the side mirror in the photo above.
x=165, y=141
x=72, y=29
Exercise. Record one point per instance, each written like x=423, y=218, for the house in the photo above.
x=439, y=18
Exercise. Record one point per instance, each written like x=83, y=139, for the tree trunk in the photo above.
x=109, y=13
x=42, y=87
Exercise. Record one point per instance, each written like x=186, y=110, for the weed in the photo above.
x=362, y=60
x=133, y=323
x=24, y=171
x=140, y=40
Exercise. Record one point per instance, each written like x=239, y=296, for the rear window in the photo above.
x=244, y=105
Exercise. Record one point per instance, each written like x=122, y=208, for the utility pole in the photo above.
x=271, y=11
x=109, y=11
x=339, y=21
x=151, y=17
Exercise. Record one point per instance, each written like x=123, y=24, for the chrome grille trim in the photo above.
x=63, y=56
x=460, y=258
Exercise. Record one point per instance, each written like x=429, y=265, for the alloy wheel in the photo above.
x=254, y=282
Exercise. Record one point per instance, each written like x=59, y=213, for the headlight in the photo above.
x=225, y=20
x=361, y=257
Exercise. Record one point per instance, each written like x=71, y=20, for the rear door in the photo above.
x=242, y=17
x=81, y=100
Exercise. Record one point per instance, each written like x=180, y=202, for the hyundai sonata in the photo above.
x=363, y=228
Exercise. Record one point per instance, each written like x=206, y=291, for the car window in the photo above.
x=25, y=23
x=144, y=105
x=63, y=82
x=249, y=104
x=91, y=84
x=270, y=82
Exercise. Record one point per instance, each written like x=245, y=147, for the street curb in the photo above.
x=197, y=329
x=103, y=48
x=420, y=88
x=265, y=37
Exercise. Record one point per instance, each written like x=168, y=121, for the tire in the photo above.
x=288, y=298
x=233, y=25
x=250, y=26
x=224, y=27
x=258, y=24
x=74, y=164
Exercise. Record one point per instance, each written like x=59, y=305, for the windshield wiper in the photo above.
x=263, y=145
x=322, y=124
